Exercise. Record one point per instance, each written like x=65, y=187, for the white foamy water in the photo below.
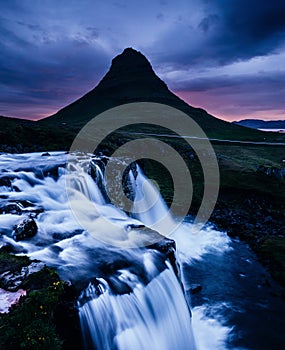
x=154, y=314
x=193, y=244
x=209, y=332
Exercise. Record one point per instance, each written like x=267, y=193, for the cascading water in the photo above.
x=149, y=207
x=131, y=298
x=154, y=316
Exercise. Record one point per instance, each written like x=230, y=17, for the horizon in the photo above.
x=216, y=57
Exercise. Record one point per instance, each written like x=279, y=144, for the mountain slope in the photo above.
x=132, y=79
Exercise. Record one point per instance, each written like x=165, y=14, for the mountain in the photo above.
x=132, y=79
x=261, y=124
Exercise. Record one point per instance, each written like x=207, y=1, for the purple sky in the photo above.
x=225, y=56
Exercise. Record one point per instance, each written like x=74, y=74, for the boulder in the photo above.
x=25, y=230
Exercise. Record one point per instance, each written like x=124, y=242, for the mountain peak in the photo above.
x=132, y=57
x=129, y=67
x=129, y=79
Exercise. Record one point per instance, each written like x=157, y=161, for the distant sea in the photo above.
x=273, y=130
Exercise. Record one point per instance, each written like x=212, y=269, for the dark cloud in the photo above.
x=208, y=23
x=53, y=52
x=249, y=28
x=267, y=82
x=226, y=32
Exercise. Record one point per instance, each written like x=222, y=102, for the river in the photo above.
x=131, y=297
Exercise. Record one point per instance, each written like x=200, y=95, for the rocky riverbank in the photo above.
x=259, y=221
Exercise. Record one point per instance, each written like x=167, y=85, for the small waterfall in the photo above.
x=149, y=206
x=154, y=316
x=84, y=183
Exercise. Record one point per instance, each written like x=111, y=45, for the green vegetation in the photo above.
x=31, y=324
x=34, y=323
x=11, y=262
x=19, y=136
x=272, y=250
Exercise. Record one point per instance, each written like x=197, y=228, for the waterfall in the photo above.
x=131, y=299
x=154, y=316
x=149, y=206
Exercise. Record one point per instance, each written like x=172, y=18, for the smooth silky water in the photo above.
x=131, y=298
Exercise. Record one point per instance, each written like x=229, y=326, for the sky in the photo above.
x=226, y=56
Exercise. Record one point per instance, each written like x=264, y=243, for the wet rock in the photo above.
x=167, y=247
x=46, y=154
x=60, y=236
x=11, y=281
x=10, y=248
x=118, y=286
x=195, y=288
x=25, y=230
x=135, y=226
x=5, y=181
x=11, y=208
x=50, y=170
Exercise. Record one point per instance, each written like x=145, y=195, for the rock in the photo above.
x=11, y=281
x=19, y=207
x=60, y=236
x=167, y=247
x=10, y=248
x=11, y=208
x=26, y=229
x=45, y=154
x=278, y=173
x=195, y=288
x=5, y=181
x=268, y=219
